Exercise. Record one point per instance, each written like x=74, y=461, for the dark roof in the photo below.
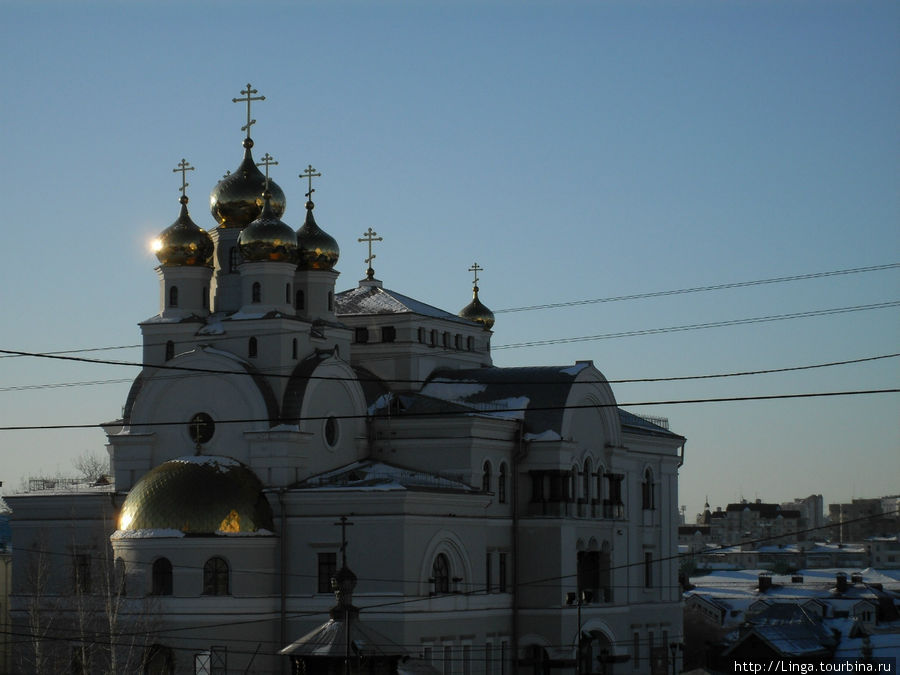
x=541, y=390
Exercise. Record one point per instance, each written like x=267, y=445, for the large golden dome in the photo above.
x=236, y=201
x=184, y=243
x=316, y=249
x=198, y=495
x=268, y=238
x=476, y=311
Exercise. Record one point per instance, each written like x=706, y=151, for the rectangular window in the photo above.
x=422, y=335
x=636, y=651
x=327, y=568
x=648, y=569
x=488, y=573
x=361, y=335
x=467, y=660
x=388, y=334
x=502, y=571
x=448, y=660
x=81, y=572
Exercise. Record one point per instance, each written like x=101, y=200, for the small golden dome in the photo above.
x=268, y=238
x=476, y=311
x=316, y=249
x=236, y=202
x=184, y=243
x=197, y=495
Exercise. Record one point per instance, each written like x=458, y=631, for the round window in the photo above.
x=201, y=428
x=331, y=431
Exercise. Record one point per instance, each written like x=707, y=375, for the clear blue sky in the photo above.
x=576, y=150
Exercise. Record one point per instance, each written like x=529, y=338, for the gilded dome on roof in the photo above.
x=236, y=200
x=183, y=243
x=316, y=249
x=198, y=495
x=268, y=238
x=476, y=311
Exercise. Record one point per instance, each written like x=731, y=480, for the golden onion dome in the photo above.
x=268, y=238
x=198, y=495
x=235, y=201
x=476, y=311
x=316, y=249
x=183, y=243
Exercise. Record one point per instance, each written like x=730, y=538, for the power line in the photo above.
x=476, y=411
x=675, y=378
x=699, y=289
x=702, y=326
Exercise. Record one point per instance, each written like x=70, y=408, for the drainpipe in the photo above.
x=518, y=455
x=282, y=574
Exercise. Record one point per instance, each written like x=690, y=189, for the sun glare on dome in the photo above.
x=155, y=245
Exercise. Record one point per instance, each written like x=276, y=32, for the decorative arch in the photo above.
x=448, y=544
x=648, y=489
x=161, y=577
x=591, y=411
x=486, y=470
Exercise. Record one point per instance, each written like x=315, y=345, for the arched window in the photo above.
x=470, y=344
x=299, y=300
x=294, y=348
x=501, y=484
x=647, y=500
x=120, y=576
x=330, y=301
x=421, y=335
x=215, y=577
x=256, y=292
x=486, y=477
x=287, y=293
x=252, y=348
x=161, y=581
x=440, y=574
x=173, y=296
x=573, y=484
x=233, y=259
x=170, y=350
x=599, y=484
x=586, y=481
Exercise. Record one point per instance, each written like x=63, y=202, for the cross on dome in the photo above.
x=248, y=96
x=309, y=172
x=369, y=236
x=475, y=268
x=268, y=161
x=183, y=166
x=344, y=525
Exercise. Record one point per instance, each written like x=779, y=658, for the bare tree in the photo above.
x=91, y=466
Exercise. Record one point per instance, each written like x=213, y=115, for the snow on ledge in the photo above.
x=158, y=533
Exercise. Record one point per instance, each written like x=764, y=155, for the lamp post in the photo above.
x=578, y=598
x=675, y=648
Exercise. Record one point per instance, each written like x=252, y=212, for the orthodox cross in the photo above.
x=475, y=268
x=268, y=160
x=344, y=525
x=248, y=92
x=309, y=172
x=184, y=166
x=369, y=236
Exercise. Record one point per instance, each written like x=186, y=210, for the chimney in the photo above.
x=841, y=581
x=856, y=578
x=765, y=582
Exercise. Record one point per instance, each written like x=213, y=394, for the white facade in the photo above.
x=478, y=496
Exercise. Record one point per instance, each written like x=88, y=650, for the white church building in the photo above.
x=497, y=520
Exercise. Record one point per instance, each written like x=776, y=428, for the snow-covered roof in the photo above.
x=375, y=300
x=369, y=475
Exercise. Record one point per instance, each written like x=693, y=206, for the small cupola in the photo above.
x=316, y=249
x=185, y=254
x=476, y=310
